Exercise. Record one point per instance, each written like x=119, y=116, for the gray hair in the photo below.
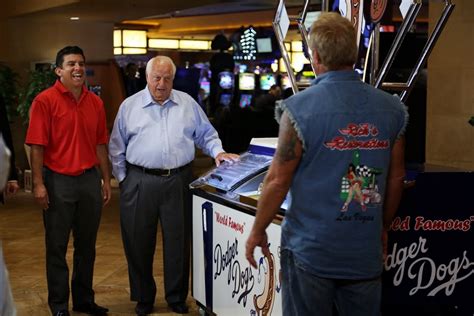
x=160, y=59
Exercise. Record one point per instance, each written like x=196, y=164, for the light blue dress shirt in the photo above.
x=160, y=136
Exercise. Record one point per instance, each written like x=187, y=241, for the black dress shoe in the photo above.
x=179, y=308
x=61, y=313
x=143, y=309
x=91, y=309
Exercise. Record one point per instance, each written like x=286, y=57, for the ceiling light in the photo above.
x=163, y=43
x=134, y=51
x=297, y=61
x=194, y=44
x=296, y=46
x=134, y=38
x=74, y=18
x=117, y=38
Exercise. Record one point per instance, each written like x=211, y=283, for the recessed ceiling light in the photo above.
x=74, y=18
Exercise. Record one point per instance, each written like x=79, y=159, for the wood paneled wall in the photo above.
x=108, y=76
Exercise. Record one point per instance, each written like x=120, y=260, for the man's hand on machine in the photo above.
x=223, y=156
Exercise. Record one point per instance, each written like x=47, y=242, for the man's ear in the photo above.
x=57, y=71
x=316, y=58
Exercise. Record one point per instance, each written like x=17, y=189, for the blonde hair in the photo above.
x=334, y=39
x=160, y=59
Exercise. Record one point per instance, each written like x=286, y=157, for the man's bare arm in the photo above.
x=278, y=180
x=39, y=190
x=275, y=186
x=101, y=151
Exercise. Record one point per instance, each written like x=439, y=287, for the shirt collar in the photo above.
x=337, y=75
x=62, y=89
x=148, y=99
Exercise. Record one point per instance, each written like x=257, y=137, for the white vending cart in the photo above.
x=224, y=206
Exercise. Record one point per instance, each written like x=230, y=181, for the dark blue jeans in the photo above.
x=306, y=294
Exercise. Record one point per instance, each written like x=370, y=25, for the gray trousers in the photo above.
x=75, y=204
x=146, y=200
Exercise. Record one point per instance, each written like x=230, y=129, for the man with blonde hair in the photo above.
x=151, y=148
x=331, y=253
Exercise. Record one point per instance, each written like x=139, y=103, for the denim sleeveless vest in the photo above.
x=347, y=128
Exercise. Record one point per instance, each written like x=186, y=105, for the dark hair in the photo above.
x=130, y=65
x=288, y=92
x=220, y=42
x=68, y=50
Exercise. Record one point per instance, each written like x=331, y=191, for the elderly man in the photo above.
x=331, y=248
x=151, y=148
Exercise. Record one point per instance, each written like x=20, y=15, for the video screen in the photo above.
x=245, y=100
x=246, y=81
x=264, y=45
x=226, y=80
x=266, y=81
x=225, y=99
x=206, y=86
x=242, y=67
x=311, y=16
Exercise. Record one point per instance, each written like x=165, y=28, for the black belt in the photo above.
x=159, y=172
x=80, y=173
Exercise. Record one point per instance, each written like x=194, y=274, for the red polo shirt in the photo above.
x=68, y=129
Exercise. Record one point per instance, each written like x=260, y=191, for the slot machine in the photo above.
x=225, y=91
x=246, y=89
x=267, y=81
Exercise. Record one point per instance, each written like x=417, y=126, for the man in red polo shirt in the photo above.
x=68, y=137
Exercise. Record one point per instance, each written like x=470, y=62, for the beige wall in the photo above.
x=35, y=40
x=449, y=136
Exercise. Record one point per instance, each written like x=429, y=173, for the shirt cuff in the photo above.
x=217, y=151
x=119, y=175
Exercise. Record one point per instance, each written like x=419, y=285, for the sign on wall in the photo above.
x=430, y=260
